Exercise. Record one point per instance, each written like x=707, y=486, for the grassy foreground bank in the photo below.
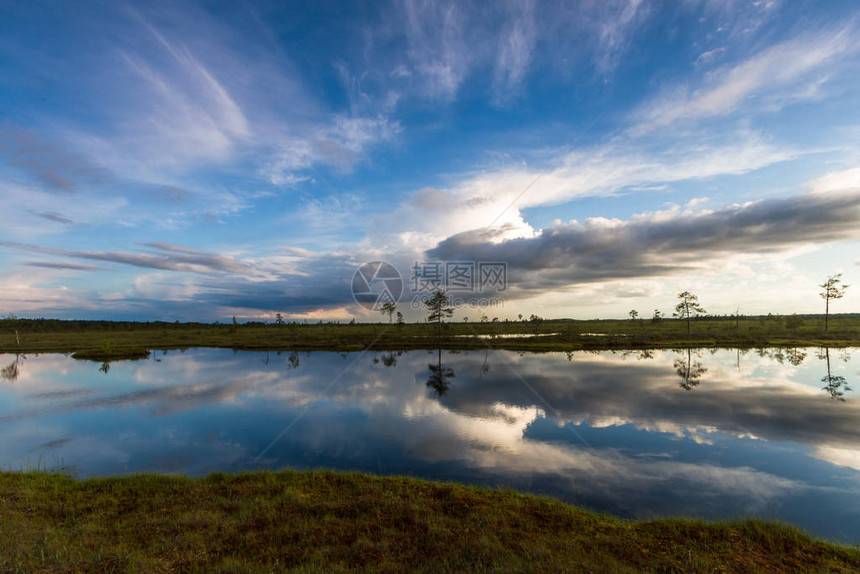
x=107, y=340
x=325, y=521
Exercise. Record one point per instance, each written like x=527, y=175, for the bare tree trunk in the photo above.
x=826, y=314
x=17, y=340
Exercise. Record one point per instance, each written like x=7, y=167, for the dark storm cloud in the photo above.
x=661, y=243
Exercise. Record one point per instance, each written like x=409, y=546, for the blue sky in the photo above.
x=200, y=161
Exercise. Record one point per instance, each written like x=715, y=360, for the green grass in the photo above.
x=329, y=522
x=105, y=341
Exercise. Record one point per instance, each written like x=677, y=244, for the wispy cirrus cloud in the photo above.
x=166, y=257
x=771, y=75
x=437, y=51
x=63, y=265
x=189, y=94
x=55, y=217
x=48, y=163
x=438, y=45
x=187, y=105
x=340, y=144
x=30, y=210
x=516, y=46
x=615, y=30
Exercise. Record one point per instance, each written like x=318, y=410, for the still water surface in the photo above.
x=716, y=434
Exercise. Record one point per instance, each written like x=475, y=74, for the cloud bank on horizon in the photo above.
x=174, y=161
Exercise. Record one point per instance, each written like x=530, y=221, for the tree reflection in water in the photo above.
x=390, y=359
x=834, y=384
x=795, y=356
x=439, y=375
x=689, y=371
x=11, y=371
x=485, y=366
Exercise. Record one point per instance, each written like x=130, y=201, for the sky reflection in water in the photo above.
x=719, y=433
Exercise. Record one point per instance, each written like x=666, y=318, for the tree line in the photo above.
x=437, y=307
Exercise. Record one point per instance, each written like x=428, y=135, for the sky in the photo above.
x=202, y=161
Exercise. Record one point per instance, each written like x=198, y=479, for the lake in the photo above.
x=772, y=433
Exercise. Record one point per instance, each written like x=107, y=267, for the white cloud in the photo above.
x=438, y=45
x=497, y=197
x=847, y=181
x=766, y=75
x=516, y=45
x=616, y=29
x=32, y=289
x=847, y=456
x=182, y=103
x=164, y=287
x=340, y=144
x=213, y=92
x=183, y=112
x=710, y=56
x=663, y=244
x=449, y=43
